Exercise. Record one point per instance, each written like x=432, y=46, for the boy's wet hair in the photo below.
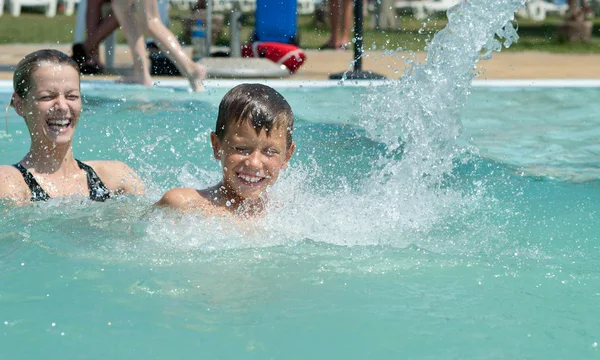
x=31, y=62
x=258, y=104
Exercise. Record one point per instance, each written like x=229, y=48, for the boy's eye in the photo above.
x=271, y=151
x=241, y=149
x=72, y=97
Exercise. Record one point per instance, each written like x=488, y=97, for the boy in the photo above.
x=253, y=142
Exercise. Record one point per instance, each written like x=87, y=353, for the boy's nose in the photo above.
x=253, y=159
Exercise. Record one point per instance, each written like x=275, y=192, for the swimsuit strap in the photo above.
x=98, y=191
x=37, y=193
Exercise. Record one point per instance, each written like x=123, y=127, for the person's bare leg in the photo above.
x=106, y=27
x=135, y=39
x=93, y=18
x=335, y=20
x=347, y=22
x=168, y=44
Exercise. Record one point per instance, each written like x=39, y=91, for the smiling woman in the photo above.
x=47, y=95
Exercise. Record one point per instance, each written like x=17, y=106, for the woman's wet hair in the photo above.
x=259, y=104
x=31, y=62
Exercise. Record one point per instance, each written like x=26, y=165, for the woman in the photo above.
x=47, y=95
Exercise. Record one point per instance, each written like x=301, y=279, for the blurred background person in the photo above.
x=98, y=28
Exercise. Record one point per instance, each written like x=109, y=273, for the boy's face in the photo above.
x=251, y=161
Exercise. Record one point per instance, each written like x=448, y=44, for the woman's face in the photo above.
x=52, y=106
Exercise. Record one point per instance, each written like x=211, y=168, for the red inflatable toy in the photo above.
x=288, y=55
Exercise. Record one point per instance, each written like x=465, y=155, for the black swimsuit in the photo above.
x=98, y=191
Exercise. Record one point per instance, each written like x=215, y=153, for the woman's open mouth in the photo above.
x=59, y=125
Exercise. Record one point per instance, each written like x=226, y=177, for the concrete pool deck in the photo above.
x=319, y=64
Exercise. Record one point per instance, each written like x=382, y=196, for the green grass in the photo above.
x=412, y=35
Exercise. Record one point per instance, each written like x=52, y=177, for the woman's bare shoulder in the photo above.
x=7, y=170
x=117, y=175
x=109, y=168
x=12, y=185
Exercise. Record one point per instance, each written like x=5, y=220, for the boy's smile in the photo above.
x=251, y=161
x=253, y=142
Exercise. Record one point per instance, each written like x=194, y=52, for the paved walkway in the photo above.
x=506, y=65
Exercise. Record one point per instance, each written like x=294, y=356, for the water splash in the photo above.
x=407, y=197
x=420, y=112
x=409, y=190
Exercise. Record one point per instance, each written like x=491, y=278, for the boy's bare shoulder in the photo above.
x=186, y=199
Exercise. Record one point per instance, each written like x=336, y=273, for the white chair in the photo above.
x=538, y=9
x=305, y=7
x=417, y=7
x=110, y=41
x=15, y=6
x=70, y=7
x=1, y=7
x=222, y=6
x=247, y=6
x=433, y=6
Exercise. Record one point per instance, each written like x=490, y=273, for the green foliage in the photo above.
x=411, y=35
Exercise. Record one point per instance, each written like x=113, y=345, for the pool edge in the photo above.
x=227, y=83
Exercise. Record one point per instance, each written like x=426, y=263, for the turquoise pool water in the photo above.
x=420, y=218
x=356, y=260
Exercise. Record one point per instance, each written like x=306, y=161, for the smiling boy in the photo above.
x=253, y=142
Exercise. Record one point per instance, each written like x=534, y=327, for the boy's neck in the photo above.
x=227, y=198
